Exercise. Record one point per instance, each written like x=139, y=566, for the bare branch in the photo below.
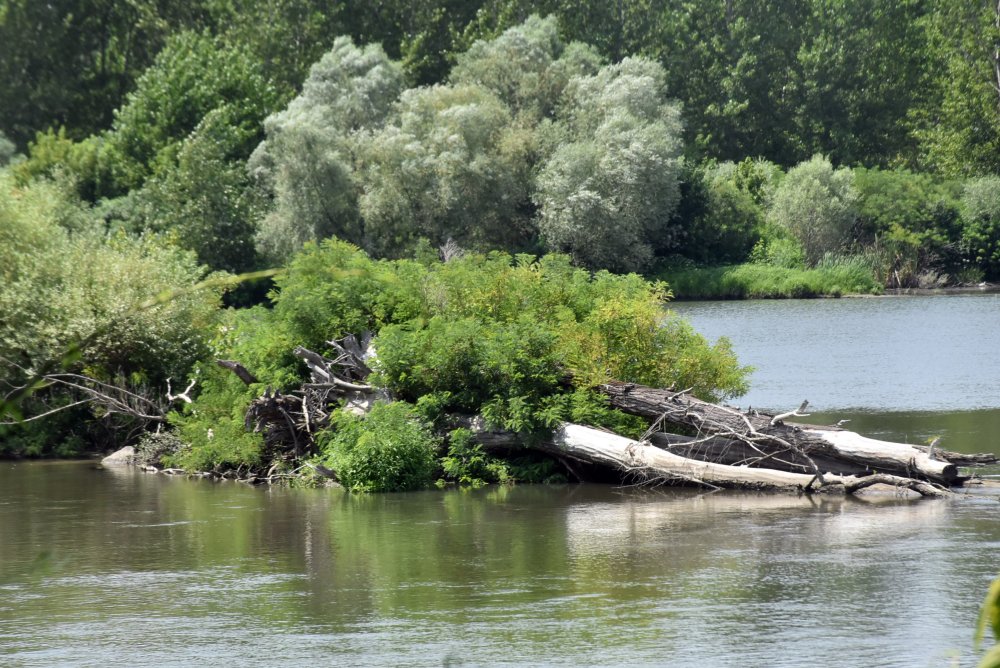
x=183, y=395
x=798, y=412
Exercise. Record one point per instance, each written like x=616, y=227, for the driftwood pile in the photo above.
x=689, y=441
x=289, y=421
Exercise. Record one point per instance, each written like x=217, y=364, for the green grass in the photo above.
x=831, y=278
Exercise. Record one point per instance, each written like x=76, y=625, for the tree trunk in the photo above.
x=769, y=441
x=647, y=463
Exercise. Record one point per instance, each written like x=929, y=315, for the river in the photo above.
x=905, y=368
x=120, y=568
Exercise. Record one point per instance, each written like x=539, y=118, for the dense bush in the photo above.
x=388, y=450
x=817, y=204
x=75, y=299
x=518, y=340
x=912, y=220
x=981, y=218
x=62, y=281
x=467, y=464
x=728, y=222
x=476, y=320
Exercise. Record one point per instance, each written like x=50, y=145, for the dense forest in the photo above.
x=472, y=182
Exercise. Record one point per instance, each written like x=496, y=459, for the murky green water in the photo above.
x=121, y=568
x=105, y=568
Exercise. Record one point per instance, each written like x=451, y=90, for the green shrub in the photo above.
x=505, y=370
x=520, y=341
x=817, y=205
x=981, y=217
x=911, y=222
x=778, y=250
x=389, y=450
x=467, y=464
x=63, y=282
x=212, y=427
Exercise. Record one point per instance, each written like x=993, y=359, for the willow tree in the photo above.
x=607, y=193
x=307, y=159
x=450, y=165
x=527, y=67
x=817, y=204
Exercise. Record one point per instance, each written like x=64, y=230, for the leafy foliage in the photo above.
x=730, y=219
x=989, y=616
x=959, y=124
x=212, y=429
x=607, y=193
x=77, y=300
x=206, y=202
x=527, y=67
x=193, y=75
x=913, y=218
x=307, y=158
x=496, y=334
x=817, y=204
x=467, y=463
x=64, y=281
x=71, y=62
x=449, y=147
x=981, y=216
x=388, y=450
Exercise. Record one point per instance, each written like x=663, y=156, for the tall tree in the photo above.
x=71, y=62
x=863, y=67
x=734, y=66
x=607, y=193
x=959, y=126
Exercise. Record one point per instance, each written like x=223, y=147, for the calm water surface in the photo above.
x=103, y=568
x=901, y=368
x=119, y=568
x=926, y=353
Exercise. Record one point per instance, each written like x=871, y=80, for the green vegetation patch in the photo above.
x=832, y=278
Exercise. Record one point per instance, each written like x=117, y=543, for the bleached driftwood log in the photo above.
x=776, y=441
x=648, y=463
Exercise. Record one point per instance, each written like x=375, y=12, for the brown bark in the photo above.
x=241, y=371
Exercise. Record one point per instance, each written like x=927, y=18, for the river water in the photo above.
x=902, y=368
x=120, y=568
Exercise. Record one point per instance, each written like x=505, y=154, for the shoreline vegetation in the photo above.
x=757, y=281
x=504, y=200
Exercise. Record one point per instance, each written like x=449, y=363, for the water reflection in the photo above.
x=101, y=566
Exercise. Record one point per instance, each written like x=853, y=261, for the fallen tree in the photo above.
x=647, y=463
x=727, y=448
x=787, y=446
x=526, y=344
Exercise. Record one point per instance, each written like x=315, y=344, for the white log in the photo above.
x=878, y=454
x=650, y=463
x=772, y=434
